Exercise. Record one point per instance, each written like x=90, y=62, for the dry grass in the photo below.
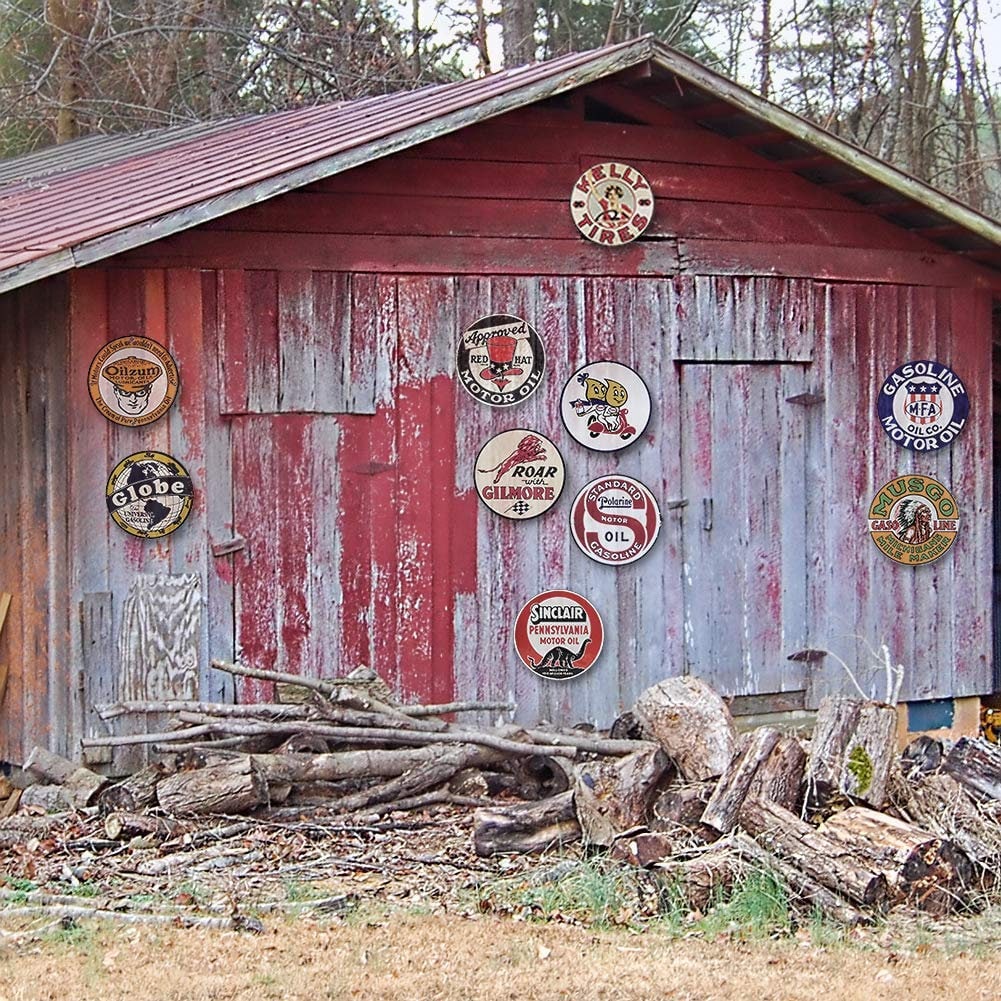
x=408, y=957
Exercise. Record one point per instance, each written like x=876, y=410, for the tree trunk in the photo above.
x=234, y=787
x=692, y=723
x=517, y=19
x=820, y=858
x=780, y=777
x=921, y=869
x=614, y=796
x=526, y=827
x=853, y=747
x=681, y=806
x=724, y=805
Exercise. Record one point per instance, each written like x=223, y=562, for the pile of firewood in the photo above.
x=848, y=825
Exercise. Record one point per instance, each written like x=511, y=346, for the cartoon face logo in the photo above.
x=594, y=405
x=133, y=381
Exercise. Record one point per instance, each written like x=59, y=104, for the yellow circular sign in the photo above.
x=133, y=381
x=149, y=494
x=913, y=519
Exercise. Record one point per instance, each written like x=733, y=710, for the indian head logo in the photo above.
x=133, y=381
x=913, y=520
x=500, y=360
x=611, y=203
x=923, y=405
x=558, y=635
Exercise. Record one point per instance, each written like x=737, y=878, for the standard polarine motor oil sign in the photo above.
x=615, y=520
x=133, y=381
x=558, y=635
x=611, y=203
x=923, y=405
x=605, y=405
x=519, y=474
x=913, y=519
x=500, y=360
x=149, y=494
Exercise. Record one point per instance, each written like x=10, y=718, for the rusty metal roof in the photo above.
x=72, y=205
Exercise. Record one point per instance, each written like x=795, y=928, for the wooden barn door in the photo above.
x=744, y=526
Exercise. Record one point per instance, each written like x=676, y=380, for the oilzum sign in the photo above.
x=558, y=635
x=923, y=405
x=500, y=360
x=913, y=520
x=149, y=494
x=133, y=381
x=615, y=520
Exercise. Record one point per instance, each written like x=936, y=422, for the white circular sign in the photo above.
x=605, y=405
x=611, y=203
x=615, y=520
x=519, y=474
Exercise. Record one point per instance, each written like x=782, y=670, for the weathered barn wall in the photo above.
x=320, y=420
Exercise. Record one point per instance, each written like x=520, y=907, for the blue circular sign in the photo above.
x=923, y=405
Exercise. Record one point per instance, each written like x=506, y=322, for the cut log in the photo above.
x=853, y=747
x=801, y=887
x=723, y=807
x=697, y=882
x=51, y=799
x=976, y=764
x=922, y=869
x=922, y=756
x=820, y=858
x=780, y=777
x=135, y=793
x=120, y=826
x=539, y=776
x=526, y=828
x=643, y=849
x=691, y=723
x=626, y=727
x=80, y=785
x=234, y=787
x=612, y=796
x=681, y=806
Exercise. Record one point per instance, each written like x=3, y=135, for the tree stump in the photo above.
x=853, y=747
x=921, y=869
x=135, y=793
x=692, y=723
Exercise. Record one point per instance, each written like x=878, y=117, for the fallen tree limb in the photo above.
x=125, y=917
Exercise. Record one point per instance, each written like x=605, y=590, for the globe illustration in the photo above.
x=160, y=513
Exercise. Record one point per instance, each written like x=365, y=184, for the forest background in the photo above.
x=912, y=82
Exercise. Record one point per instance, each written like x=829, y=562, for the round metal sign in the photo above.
x=500, y=360
x=611, y=203
x=605, y=405
x=913, y=519
x=923, y=405
x=149, y=494
x=519, y=474
x=133, y=381
x=558, y=635
x=615, y=520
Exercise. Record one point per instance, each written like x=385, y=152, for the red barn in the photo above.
x=311, y=273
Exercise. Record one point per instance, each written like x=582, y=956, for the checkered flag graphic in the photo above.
x=520, y=507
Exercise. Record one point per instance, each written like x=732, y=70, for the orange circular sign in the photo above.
x=133, y=381
x=913, y=519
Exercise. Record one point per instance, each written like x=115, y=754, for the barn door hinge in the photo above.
x=678, y=502
x=707, y=513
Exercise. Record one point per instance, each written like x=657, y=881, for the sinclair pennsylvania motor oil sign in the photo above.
x=558, y=635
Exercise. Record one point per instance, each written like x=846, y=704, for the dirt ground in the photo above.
x=411, y=957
